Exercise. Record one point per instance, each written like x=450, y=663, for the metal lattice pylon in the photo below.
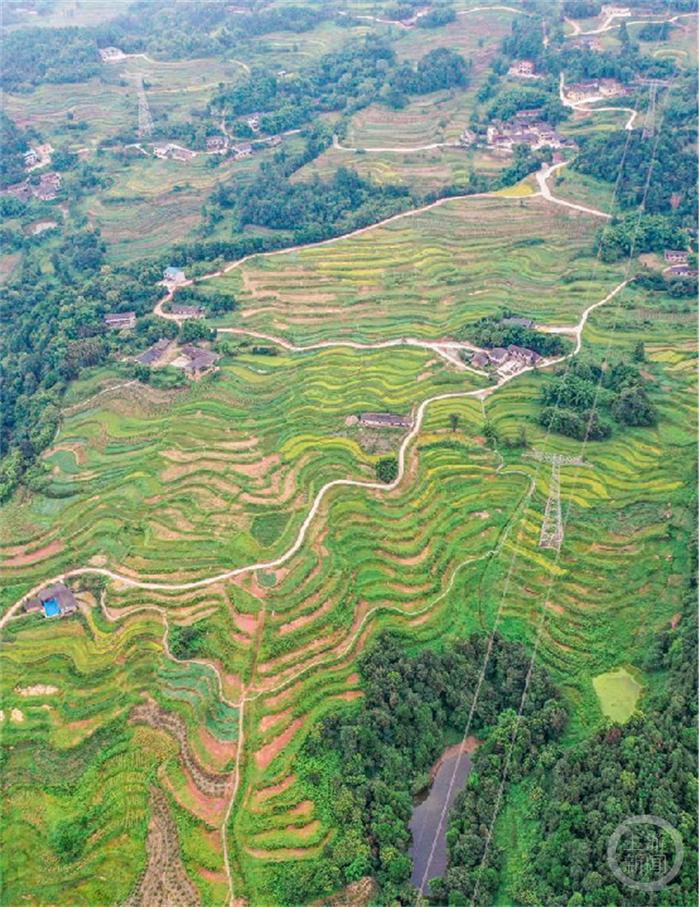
x=552, y=532
x=145, y=118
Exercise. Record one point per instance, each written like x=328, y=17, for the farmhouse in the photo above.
x=217, y=144
x=467, y=138
x=676, y=256
x=682, y=271
x=22, y=191
x=119, y=321
x=187, y=311
x=611, y=11
x=30, y=158
x=480, y=359
x=48, y=187
x=57, y=600
x=385, y=420
x=523, y=354
x=111, y=54
x=174, y=275
x=198, y=361
x=155, y=353
x=170, y=151
x=498, y=355
x=523, y=69
x=610, y=88
x=528, y=115
x=242, y=151
x=273, y=141
x=33, y=605
x=587, y=42
x=595, y=88
x=253, y=122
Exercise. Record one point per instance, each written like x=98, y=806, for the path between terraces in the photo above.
x=398, y=150
x=610, y=23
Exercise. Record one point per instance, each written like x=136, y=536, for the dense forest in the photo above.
x=365, y=767
x=582, y=398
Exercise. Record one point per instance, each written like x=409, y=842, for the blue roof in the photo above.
x=51, y=607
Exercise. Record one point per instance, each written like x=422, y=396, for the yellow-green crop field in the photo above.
x=171, y=490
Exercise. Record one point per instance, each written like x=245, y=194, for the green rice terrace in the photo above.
x=175, y=490
x=197, y=567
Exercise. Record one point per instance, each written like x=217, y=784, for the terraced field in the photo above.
x=428, y=275
x=175, y=487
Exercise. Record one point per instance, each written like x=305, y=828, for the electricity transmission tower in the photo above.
x=145, y=118
x=552, y=532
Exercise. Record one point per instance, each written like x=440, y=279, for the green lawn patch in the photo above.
x=617, y=693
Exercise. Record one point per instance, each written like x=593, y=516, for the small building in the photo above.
x=199, y=361
x=498, y=355
x=33, y=605
x=273, y=141
x=523, y=69
x=186, y=311
x=57, y=600
x=611, y=88
x=682, y=271
x=154, y=353
x=253, y=122
x=242, y=151
x=467, y=138
x=613, y=11
x=528, y=114
x=385, y=420
x=581, y=91
x=676, y=256
x=480, y=359
x=120, y=321
x=48, y=187
x=111, y=54
x=174, y=275
x=217, y=144
x=31, y=158
x=523, y=354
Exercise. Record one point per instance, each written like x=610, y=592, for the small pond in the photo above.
x=431, y=813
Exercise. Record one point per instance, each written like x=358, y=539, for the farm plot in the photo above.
x=153, y=203
x=427, y=275
x=188, y=487
x=184, y=485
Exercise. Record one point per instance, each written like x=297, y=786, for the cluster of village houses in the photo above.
x=216, y=144
x=195, y=361
x=526, y=128
x=45, y=190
